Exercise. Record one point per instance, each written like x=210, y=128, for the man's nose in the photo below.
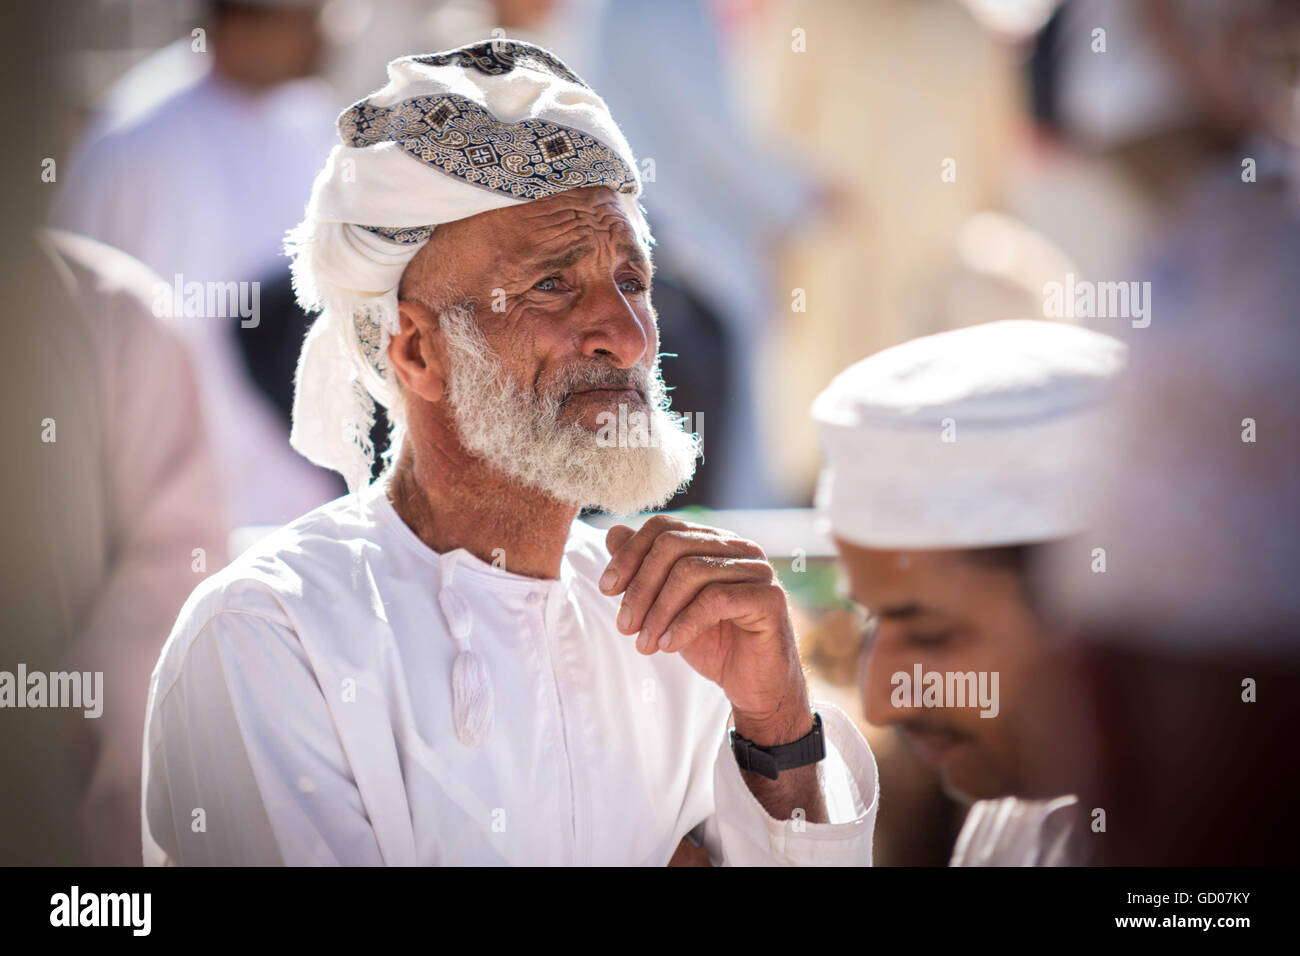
x=612, y=329
x=883, y=660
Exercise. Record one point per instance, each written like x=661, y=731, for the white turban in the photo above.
x=450, y=135
x=967, y=439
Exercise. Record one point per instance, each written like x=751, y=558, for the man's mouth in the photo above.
x=932, y=746
x=607, y=392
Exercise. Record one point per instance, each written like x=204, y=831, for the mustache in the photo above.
x=598, y=375
x=923, y=729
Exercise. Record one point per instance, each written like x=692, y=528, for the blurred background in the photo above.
x=824, y=178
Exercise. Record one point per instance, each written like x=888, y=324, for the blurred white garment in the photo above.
x=304, y=702
x=1014, y=832
x=138, y=521
x=197, y=177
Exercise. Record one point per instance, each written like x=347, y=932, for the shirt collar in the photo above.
x=469, y=566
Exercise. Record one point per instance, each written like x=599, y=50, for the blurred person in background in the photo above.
x=1178, y=700
x=1143, y=144
x=198, y=163
x=131, y=523
x=1230, y=237
x=882, y=96
x=1116, y=138
x=951, y=460
x=111, y=497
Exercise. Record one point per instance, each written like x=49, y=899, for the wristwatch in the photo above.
x=770, y=761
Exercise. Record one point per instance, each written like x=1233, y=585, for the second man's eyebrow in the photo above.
x=897, y=612
x=894, y=612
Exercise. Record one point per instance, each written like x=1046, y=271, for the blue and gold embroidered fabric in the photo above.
x=529, y=159
x=497, y=57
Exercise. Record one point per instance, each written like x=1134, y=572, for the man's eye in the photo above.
x=636, y=285
x=929, y=638
x=549, y=284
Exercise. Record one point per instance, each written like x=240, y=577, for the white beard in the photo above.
x=520, y=433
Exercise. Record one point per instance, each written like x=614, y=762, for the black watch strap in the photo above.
x=770, y=761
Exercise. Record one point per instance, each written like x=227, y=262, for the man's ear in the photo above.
x=416, y=351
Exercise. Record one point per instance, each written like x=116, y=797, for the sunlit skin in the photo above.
x=575, y=289
x=947, y=612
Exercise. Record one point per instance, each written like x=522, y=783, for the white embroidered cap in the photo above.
x=967, y=439
x=451, y=135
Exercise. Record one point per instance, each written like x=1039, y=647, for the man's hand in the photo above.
x=714, y=599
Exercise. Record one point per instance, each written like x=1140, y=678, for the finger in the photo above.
x=669, y=548
x=627, y=557
x=673, y=540
x=626, y=548
x=616, y=537
x=753, y=606
x=688, y=577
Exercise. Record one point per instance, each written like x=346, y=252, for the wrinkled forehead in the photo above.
x=559, y=230
x=551, y=233
x=589, y=215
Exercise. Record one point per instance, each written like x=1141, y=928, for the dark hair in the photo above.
x=1019, y=559
x=1016, y=558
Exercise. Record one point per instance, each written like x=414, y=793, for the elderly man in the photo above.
x=438, y=668
x=951, y=460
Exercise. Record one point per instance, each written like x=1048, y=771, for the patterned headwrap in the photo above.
x=450, y=135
